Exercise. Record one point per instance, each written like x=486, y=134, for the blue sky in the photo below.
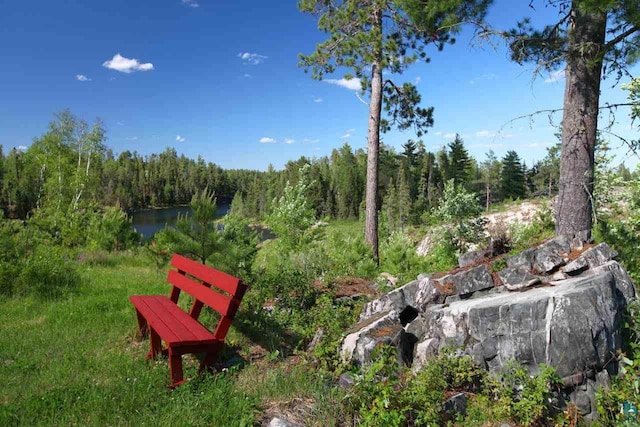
x=216, y=78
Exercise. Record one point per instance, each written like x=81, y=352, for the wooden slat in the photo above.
x=216, y=278
x=183, y=320
x=216, y=301
x=174, y=325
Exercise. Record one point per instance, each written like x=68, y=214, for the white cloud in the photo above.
x=311, y=141
x=246, y=76
x=22, y=147
x=449, y=135
x=538, y=145
x=251, y=58
x=266, y=140
x=346, y=135
x=439, y=133
x=126, y=65
x=82, y=78
x=554, y=77
x=317, y=100
x=180, y=138
x=134, y=138
x=289, y=141
x=494, y=145
x=190, y=3
x=351, y=84
x=417, y=80
x=485, y=133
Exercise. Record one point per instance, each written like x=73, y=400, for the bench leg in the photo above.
x=156, y=344
x=207, y=361
x=143, y=327
x=175, y=369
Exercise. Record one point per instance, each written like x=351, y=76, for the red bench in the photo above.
x=161, y=318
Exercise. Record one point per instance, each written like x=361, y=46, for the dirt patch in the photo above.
x=575, y=253
x=296, y=410
x=447, y=288
x=386, y=331
x=349, y=286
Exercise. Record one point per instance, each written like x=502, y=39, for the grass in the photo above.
x=76, y=361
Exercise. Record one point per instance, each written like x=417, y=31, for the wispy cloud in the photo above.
x=191, y=3
x=485, y=133
x=439, y=133
x=538, y=145
x=348, y=133
x=126, y=65
x=351, y=84
x=317, y=100
x=267, y=140
x=310, y=141
x=289, y=141
x=417, y=80
x=82, y=78
x=134, y=138
x=449, y=135
x=487, y=145
x=180, y=138
x=246, y=76
x=554, y=77
x=251, y=58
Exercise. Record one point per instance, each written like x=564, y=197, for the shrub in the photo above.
x=460, y=211
x=111, y=230
x=49, y=273
x=293, y=214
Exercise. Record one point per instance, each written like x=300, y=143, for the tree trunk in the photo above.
x=373, y=145
x=580, y=123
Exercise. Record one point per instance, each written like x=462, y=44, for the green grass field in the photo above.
x=76, y=361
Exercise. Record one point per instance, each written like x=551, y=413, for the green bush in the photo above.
x=460, y=211
x=625, y=388
x=49, y=272
x=111, y=230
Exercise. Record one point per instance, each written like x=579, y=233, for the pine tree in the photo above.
x=512, y=179
x=459, y=162
x=590, y=36
x=370, y=37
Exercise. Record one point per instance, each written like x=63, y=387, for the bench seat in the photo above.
x=174, y=325
x=162, y=319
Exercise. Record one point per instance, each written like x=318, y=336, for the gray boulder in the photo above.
x=591, y=258
x=516, y=278
x=429, y=292
x=469, y=281
x=396, y=300
x=471, y=257
x=366, y=335
x=570, y=327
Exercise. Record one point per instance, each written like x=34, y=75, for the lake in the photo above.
x=149, y=221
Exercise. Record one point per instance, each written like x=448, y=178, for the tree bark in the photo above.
x=580, y=122
x=373, y=146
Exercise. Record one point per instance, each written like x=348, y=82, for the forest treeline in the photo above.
x=70, y=166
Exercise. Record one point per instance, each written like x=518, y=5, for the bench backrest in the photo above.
x=203, y=283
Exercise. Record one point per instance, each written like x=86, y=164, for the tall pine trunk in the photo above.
x=373, y=145
x=580, y=122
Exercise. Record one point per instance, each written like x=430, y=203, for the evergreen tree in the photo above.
x=589, y=36
x=403, y=198
x=459, y=162
x=374, y=36
x=512, y=179
x=490, y=168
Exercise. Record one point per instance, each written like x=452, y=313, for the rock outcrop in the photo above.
x=551, y=306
